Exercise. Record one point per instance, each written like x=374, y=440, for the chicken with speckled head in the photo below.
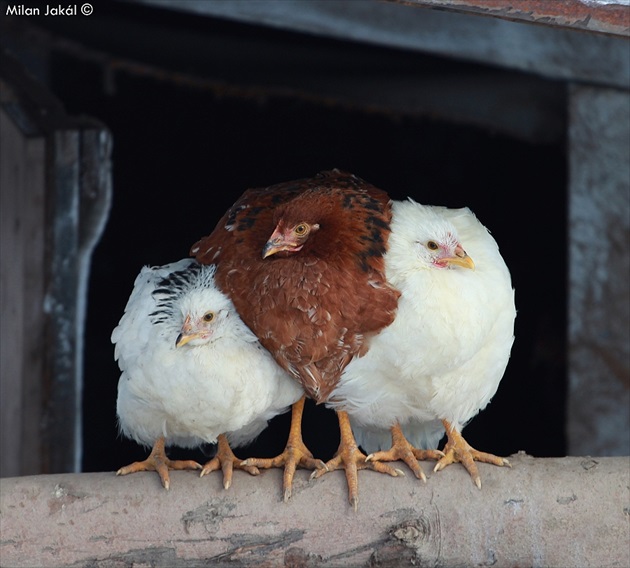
x=192, y=372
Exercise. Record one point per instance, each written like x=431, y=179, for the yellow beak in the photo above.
x=186, y=334
x=183, y=339
x=464, y=262
x=460, y=259
x=272, y=246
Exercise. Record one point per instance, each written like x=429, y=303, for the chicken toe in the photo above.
x=227, y=462
x=158, y=462
x=350, y=458
x=457, y=449
x=402, y=450
x=295, y=453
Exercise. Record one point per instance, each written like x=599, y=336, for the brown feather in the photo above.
x=316, y=309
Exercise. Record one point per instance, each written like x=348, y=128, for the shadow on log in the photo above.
x=542, y=512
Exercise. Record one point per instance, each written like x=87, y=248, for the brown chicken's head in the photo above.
x=350, y=223
x=289, y=238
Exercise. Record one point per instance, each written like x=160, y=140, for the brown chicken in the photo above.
x=303, y=263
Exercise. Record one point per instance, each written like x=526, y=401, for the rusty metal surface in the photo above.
x=611, y=17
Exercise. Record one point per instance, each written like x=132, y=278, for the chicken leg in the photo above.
x=157, y=461
x=227, y=461
x=295, y=453
x=350, y=458
x=402, y=450
x=458, y=450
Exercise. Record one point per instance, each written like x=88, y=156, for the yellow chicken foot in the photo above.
x=458, y=450
x=350, y=458
x=158, y=462
x=295, y=454
x=227, y=461
x=402, y=450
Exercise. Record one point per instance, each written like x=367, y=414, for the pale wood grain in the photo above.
x=542, y=512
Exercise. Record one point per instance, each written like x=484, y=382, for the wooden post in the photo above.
x=599, y=302
x=56, y=190
x=22, y=227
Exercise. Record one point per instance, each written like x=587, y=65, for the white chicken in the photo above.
x=192, y=371
x=441, y=360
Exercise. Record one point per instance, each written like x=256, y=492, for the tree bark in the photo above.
x=542, y=512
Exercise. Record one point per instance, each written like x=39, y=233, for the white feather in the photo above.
x=191, y=394
x=446, y=352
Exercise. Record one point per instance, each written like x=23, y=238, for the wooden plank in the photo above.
x=33, y=251
x=58, y=173
x=11, y=299
x=22, y=161
x=62, y=412
x=605, y=16
x=542, y=512
x=599, y=302
x=558, y=53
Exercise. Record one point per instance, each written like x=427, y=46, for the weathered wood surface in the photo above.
x=55, y=172
x=22, y=240
x=599, y=298
x=542, y=512
x=560, y=53
x=606, y=16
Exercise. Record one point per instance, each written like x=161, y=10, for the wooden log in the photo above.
x=542, y=512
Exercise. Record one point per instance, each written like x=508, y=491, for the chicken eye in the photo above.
x=208, y=317
x=432, y=245
x=301, y=229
